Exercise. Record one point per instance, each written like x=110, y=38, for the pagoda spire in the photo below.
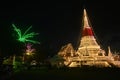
x=87, y=38
x=87, y=30
x=109, y=51
x=85, y=19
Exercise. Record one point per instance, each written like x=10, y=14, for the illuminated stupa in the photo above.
x=88, y=45
x=89, y=52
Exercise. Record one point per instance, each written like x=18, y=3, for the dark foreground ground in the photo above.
x=66, y=74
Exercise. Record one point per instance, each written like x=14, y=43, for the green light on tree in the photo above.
x=25, y=37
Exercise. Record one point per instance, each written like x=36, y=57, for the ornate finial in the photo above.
x=85, y=19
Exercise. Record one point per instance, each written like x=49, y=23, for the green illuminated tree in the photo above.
x=25, y=37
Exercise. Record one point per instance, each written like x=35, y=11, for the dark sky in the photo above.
x=58, y=23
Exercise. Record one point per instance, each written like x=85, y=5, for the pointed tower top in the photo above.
x=85, y=18
x=109, y=51
x=87, y=30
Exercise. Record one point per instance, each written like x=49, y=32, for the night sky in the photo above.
x=58, y=23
